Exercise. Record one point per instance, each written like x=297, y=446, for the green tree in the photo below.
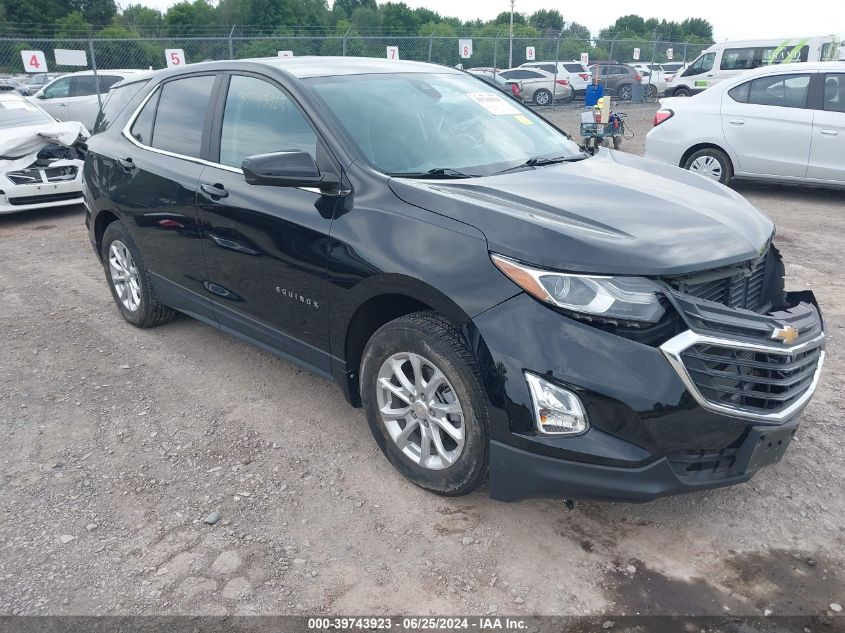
x=576, y=31
x=183, y=17
x=97, y=12
x=397, y=17
x=348, y=6
x=546, y=20
x=505, y=17
x=365, y=19
x=142, y=19
x=697, y=27
x=72, y=25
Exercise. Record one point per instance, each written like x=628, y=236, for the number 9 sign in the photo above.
x=175, y=57
x=530, y=53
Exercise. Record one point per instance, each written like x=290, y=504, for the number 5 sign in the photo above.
x=34, y=61
x=175, y=57
x=465, y=48
x=529, y=53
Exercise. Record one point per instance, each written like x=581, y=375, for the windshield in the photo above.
x=18, y=113
x=411, y=123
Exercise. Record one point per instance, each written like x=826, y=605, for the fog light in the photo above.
x=557, y=411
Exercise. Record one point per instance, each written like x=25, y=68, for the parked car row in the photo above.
x=542, y=83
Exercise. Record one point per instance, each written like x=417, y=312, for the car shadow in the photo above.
x=788, y=192
x=23, y=218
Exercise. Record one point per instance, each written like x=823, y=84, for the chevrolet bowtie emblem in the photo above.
x=786, y=334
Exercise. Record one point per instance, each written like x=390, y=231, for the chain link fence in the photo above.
x=101, y=55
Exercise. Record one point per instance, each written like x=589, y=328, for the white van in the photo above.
x=728, y=59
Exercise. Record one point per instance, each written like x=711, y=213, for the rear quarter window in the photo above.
x=115, y=103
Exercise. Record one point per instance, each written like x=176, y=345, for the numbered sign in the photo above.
x=669, y=52
x=585, y=59
x=392, y=52
x=465, y=48
x=175, y=57
x=34, y=61
x=285, y=53
x=636, y=53
x=529, y=53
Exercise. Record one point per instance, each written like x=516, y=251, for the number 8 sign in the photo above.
x=465, y=48
x=34, y=61
x=175, y=57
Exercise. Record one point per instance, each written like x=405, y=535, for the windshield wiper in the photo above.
x=439, y=172
x=540, y=161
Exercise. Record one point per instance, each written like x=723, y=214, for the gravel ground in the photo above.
x=117, y=443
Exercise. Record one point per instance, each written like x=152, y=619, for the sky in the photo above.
x=731, y=19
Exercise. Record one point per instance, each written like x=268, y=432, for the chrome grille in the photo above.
x=743, y=379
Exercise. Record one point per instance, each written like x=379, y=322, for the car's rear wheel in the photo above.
x=681, y=92
x=625, y=92
x=542, y=97
x=712, y=163
x=424, y=401
x=651, y=91
x=129, y=282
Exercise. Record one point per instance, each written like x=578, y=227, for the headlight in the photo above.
x=615, y=298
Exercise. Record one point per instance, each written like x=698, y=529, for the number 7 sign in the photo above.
x=175, y=57
x=392, y=52
x=34, y=61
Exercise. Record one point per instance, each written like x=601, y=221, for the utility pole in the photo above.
x=510, y=49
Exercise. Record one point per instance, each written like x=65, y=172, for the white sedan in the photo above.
x=40, y=160
x=783, y=123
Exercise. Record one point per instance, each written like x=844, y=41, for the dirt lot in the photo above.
x=116, y=443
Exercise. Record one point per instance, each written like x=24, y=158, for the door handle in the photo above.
x=829, y=132
x=215, y=191
x=126, y=164
x=737, y=122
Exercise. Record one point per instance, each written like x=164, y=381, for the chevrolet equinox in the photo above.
x=496, y=300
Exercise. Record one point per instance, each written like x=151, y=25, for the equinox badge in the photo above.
x=786, y=334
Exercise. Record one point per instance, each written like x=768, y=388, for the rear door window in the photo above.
x=786, y=91
x=180, y=116
x=834, y=92
x=58, y=89
x=574, y=68
x=142, y=128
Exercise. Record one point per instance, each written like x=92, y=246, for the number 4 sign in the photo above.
x=175, y=57
x=392, y=52
x=34, y=61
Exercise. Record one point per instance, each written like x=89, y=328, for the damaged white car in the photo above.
x=40, y=158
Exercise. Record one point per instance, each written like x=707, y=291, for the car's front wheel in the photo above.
x=425, y=404
x=625, y=92
x=682, y=92
x=712, y=163
x=129, y=282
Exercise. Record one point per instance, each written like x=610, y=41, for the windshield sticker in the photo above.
x=524, y=119
x=492, y=103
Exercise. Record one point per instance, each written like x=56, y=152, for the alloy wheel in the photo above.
x=707, y=166
x=421, y=411
x=124, y=276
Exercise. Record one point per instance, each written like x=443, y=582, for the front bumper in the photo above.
x=41, y=194
x=649, y=436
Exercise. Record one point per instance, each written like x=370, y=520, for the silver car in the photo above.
x=539, y=86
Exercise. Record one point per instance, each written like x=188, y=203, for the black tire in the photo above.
x=617, y=142
x=432, y=337
x=719, y=156
x=149, y=312
x=683, y=91
x=625, y=92
x=651, y=91
x=542, y=97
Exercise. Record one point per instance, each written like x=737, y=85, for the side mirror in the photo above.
x=40, y=95
x=287, y=169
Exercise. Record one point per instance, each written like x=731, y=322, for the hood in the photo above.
x=613, y=213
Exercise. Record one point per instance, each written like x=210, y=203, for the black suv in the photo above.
x=598, y=327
